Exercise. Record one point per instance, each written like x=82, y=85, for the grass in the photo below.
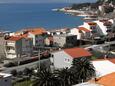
x=23, y=83
x=93, y=57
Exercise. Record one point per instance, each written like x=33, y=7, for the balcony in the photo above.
x=10, y=44
x=11, y=51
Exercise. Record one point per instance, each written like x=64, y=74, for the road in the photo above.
x=29, y=65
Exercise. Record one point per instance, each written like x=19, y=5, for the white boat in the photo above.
x=55, y=9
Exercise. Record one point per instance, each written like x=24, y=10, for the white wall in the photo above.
x=102, y=27
x=32, y=36
x=11, y=54
x=61, y=59
x=75, y=31
x=5, y=81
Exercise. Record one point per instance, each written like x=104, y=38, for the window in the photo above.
x=36, y=41
x=67, y=60
x=5, y=80
x=52, y=63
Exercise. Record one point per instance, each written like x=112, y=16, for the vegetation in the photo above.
x=80, y=6
x=23, y=83
x=83, y=69
x=14, y=72
x=67, y=77
x=94, y=5
x=109, y=9
x=46, y=78
x=109, y=1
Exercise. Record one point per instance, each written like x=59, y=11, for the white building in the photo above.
x=75, y=31
x=17, y=47
x=63, y=58
x=103, y=67
x=37, y=35
x=85, y=33
x=5, y=79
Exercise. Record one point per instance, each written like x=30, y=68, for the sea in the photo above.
x=15, y=17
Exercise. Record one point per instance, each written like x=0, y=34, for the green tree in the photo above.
x=83, y=69
x=67, y=77
x=46, y=78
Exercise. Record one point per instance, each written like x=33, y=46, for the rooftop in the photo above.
x=92, y=23
x=14, y=38
x=103, y=67
x=87, y=84
x=84, y=29
x=2, y=75
x=112, y=60
x=36, y=31
x=77, y=52
x=107, y=80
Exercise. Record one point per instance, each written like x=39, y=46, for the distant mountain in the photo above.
x=109, y=1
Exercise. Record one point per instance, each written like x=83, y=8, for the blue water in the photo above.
x=18, y=16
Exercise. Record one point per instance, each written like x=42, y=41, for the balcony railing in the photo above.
x=11, y=51
x=10, y=44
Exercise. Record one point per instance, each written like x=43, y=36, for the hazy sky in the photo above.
x=44, y=1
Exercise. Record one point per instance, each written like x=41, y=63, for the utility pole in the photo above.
x=39, y=59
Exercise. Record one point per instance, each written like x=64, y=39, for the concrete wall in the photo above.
x=60, y=40
x=44, y=62
x=5, y=81
x=10, y=49
x=61, y=59
x=26, y=46
x=33, y=38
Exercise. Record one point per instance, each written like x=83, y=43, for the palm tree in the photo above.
x=66, y=76
x=46, y=78
x=83, y=69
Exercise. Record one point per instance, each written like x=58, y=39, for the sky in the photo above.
x=45, y=1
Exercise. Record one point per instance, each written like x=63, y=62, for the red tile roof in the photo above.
x=36, y=31
x=112, y=60
x=14, y=38
x=84, y=29
x=107, y=80
x=77, y=52
x=92, y=23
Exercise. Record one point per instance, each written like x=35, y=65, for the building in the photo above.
x=75, y=31
x=18, y=46
x=5, y=79
x=104, y=67
x=63, y=58
x=65, y=37
x=49, y=41
x=59, y=31
x=107, y=80
x=65, y=40
x=38, y=36
x=104, y=25
x=88, y=84
x=85, y=33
